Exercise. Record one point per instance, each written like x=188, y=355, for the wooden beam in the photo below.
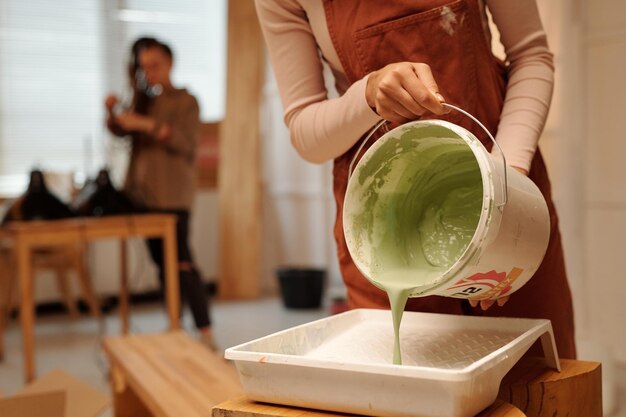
x=208, y=156
x=239, y=181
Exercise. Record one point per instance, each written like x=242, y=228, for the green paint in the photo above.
x=398, y=295
x=420, y=202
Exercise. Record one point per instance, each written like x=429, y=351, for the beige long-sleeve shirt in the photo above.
x=321, y=128
x=162, y=174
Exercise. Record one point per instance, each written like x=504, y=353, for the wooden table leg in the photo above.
x=84, y=279
x=7, y=284
x=172, y=290
x=124, y=292
x=4, y=310
x=27, y=306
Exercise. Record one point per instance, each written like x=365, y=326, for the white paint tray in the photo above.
x=452, y=365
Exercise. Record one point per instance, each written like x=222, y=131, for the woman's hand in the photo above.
x=133, y=122
x=486, y=304
x=110, y=102
x=403, y=91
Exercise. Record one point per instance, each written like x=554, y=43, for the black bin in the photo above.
x=301, y=287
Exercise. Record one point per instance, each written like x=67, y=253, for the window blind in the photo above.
x=59, y=59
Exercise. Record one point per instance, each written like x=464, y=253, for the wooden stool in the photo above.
x=529, y=389
x=167, y=375
x=576, y=391
x=242, y=407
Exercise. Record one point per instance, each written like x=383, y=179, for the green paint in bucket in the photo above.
x=425, y=216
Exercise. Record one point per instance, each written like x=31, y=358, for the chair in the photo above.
x=61, y=260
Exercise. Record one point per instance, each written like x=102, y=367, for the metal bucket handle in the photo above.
x=504, y=185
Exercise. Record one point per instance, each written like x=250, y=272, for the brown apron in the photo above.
x=450, y=37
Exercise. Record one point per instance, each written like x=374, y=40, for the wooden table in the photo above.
x=26, y=236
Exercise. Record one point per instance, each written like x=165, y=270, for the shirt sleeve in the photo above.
x=320, y=128
x=530, y=78
x=185, y=129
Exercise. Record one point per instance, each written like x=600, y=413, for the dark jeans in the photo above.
x=191, y=288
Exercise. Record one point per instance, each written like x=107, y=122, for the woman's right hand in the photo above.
x=404, y=91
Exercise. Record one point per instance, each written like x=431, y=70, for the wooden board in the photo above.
x=239, y=179
x=49, y=404
x=168, y=375
x=208, y=155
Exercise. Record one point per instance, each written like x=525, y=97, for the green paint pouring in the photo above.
x=421, y=202
x=398, y=296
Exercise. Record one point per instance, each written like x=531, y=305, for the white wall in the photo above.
x=299, y=209
x=564, y=136
x=605, y=173
x=563, y=139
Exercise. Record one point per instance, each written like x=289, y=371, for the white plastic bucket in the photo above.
x=387, y=219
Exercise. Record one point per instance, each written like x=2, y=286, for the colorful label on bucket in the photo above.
x=486, y=285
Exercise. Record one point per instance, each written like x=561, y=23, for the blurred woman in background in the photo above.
x=163, y=124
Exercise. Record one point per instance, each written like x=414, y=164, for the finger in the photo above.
x=390, y=104
x=406, y=100
x=417, y=96
x=399, y=85
x=390, y=110
x=503, y=300
x=485, y=304
x=473, y=303
x=429, y=100
x=392, y=116
x=393, y=97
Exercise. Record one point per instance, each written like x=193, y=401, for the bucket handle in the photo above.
x=504, y=185
x=358, y=152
